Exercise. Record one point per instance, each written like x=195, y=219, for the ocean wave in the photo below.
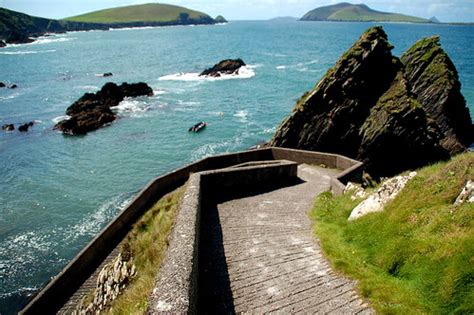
x=246, y=72
x=242, y=116
x=58, y=119
x=27, y=52
x=298, y=65
x=131, y=107
x=91, y=225
x=87, y=87
x=211, y=149
x=9, y=97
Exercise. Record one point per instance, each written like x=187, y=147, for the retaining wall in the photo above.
x=56, y=293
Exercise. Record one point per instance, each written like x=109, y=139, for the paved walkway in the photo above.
x=259, y=255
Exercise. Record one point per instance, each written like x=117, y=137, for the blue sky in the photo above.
x=444, y=10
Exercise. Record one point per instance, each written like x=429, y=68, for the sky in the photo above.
x=444, y=10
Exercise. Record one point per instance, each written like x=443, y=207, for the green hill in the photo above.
x=357, y=13
x=152, y=12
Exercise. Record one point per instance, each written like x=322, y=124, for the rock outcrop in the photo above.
x=386, y=193
x=435, y=83
x=228, y=66
x=2, y=85
x=220, y=19
x=2, y=44
x=111, y=281
x=93, y=110
x=375, y=108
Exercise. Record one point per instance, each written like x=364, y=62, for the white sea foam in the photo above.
x=242, y=116
x=302, y=66
x=87, y=87
x=60, y=118
x=27, y=52
x=246, y=72
x=132, y=107
x=9, y=97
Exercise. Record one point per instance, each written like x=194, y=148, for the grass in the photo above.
x=152, y=12
x=415, y=257
x=147, y=244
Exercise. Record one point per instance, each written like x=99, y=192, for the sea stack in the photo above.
x=392, y=114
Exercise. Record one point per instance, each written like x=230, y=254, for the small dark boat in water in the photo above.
x=198, y=127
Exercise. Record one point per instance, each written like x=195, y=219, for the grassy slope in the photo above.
x=415, y=257
x=147, y=243
x=137, y=13
x=359, y=12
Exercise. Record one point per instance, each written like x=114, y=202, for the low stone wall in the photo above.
x=176, y=288
x=57, y=292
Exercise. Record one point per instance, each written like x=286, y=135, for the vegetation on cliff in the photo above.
x=152, y=12
x=391, y=114
x=357, y=13
x=417, y=255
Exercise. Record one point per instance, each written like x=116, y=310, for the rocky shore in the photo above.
x=93, y=110
x=393, y=114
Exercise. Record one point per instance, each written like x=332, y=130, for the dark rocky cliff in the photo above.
x=373, y=107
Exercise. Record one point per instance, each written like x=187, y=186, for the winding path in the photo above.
x=258, y=254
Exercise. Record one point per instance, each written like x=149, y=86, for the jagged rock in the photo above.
x=365, y=108
x=92, y=111
x=228, y=66
x=467, y=194
x=386, y=193
x=435, y=83
x=2, y=44
x=8, y=127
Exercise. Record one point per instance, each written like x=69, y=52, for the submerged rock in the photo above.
x=2, y=85
x=228, y=66
x=8, y=127
x=25, y=127
x=93, y=110
x=107, y=74
x=367, y=107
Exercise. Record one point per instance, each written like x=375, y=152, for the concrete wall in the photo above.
x=58, y=290
x=176, y=288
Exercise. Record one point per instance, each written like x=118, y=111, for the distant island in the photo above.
x=19, y=28
x=348, y=12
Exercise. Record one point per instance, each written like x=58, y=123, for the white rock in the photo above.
x=467, y=194
x=356, y=190
x=386, y=193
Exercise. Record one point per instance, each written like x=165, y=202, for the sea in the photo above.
x=57, y=192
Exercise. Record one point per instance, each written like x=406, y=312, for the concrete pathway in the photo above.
x=259, y=255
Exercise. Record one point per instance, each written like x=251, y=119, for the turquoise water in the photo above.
x=57, y=192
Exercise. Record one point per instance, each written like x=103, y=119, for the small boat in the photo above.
x=198, y=127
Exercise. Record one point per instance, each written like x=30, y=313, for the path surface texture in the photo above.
x=258, y=254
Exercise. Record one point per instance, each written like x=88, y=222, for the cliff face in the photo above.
x=375, y=108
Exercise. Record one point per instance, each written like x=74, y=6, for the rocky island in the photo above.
x=347, y=12
x=393, y=114
x=228, y=66
x=93, y=110
x=20, y=28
